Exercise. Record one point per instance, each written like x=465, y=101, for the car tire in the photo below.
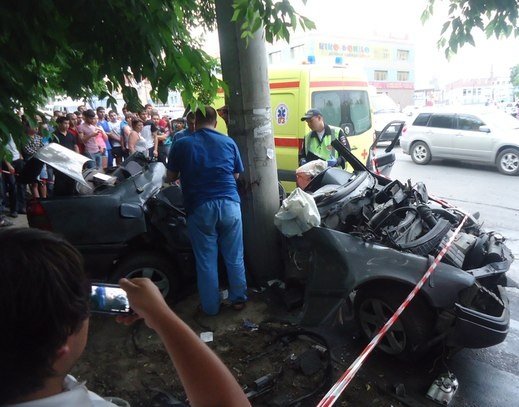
x=420, y=153
x=410, y=332
x=508, y=161
x=153, y=265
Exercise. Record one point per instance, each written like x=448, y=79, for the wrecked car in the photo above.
x=125, y=224
x=376, y=239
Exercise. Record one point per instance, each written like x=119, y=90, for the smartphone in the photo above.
x=109, y=299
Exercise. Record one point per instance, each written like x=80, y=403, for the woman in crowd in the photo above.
x=34, y=143
x=136, y=142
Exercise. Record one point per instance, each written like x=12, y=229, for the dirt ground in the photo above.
x=293, y=369
x=131, y=363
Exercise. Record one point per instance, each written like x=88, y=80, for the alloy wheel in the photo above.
x=420, y=153
x=510, y=162
x=373, y=314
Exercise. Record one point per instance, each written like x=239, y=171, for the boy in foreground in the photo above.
x=44, y=314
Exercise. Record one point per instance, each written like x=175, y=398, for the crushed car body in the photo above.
x=125, y=223
x=376, y=239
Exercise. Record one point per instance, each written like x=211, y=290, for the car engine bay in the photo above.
x=403, y=217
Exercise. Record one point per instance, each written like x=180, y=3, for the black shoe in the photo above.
x=22, y=212
x=13, y=214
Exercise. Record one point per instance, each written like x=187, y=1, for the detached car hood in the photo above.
x=64, y=160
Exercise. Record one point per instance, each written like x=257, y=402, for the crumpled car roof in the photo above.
x=64, y=160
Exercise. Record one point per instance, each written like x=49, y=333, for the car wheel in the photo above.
x=153, y=266
x=420, y=153
x=508, y=161
x=413, y=329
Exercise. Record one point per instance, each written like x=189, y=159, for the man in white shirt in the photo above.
x=44, y=303
x=149, y=133
x=115, y=137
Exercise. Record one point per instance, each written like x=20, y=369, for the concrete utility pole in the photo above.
x=244, y=68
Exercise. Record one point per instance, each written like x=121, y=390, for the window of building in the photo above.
x=380, y=75
x=402, y=76
x=275, y=57
x=297, y=53
x=402, y=55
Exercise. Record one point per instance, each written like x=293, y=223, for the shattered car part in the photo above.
x=377, y=238
x=126, y=225
x=443, y=389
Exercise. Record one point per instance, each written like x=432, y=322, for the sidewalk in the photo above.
x=19, y=222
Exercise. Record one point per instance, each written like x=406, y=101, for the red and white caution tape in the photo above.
x=333, y=395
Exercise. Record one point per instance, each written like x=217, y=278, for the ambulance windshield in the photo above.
x=344, y=107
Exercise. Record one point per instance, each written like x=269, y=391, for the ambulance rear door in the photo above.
x=286, y=122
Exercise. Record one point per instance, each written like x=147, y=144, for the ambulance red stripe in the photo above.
x=278, y=85
x=288, y=142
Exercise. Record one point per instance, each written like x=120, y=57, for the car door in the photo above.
x=470, y=143
x=440, y=133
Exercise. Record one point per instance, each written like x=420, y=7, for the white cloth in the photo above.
x=74, y=394
x=116, y=128
x=141, y=145
x=11, y=147
x=298, y=214
x=148, y=136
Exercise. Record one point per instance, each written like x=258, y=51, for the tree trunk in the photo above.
x=245, y=70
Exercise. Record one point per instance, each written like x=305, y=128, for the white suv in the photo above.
x=477, y=134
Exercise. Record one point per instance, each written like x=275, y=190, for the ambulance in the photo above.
x=340, y=93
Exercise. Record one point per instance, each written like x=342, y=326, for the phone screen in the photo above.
x=109, y=299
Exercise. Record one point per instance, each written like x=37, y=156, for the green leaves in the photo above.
x=278, y=18
x=497, y=18
x=83, y=48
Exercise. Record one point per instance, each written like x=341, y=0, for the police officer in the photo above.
x=317, y=143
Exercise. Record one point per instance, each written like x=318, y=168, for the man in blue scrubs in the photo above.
x=209, y=164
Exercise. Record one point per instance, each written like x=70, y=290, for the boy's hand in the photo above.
x=145, y=300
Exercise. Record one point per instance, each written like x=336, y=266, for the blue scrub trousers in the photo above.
x=217, y=225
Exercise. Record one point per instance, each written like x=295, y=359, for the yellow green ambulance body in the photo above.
x=340, y=93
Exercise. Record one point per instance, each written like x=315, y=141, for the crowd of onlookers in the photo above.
x=106, y=138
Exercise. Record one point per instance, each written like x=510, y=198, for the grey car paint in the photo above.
x=340, y=263
x=496, y=133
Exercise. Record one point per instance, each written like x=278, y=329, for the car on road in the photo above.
x=508, y=108
x=385, y=110
x=474, y=134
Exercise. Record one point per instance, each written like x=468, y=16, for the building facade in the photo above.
x=479, y=91
x=387, y=60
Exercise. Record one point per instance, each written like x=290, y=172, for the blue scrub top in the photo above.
x=207, y=162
